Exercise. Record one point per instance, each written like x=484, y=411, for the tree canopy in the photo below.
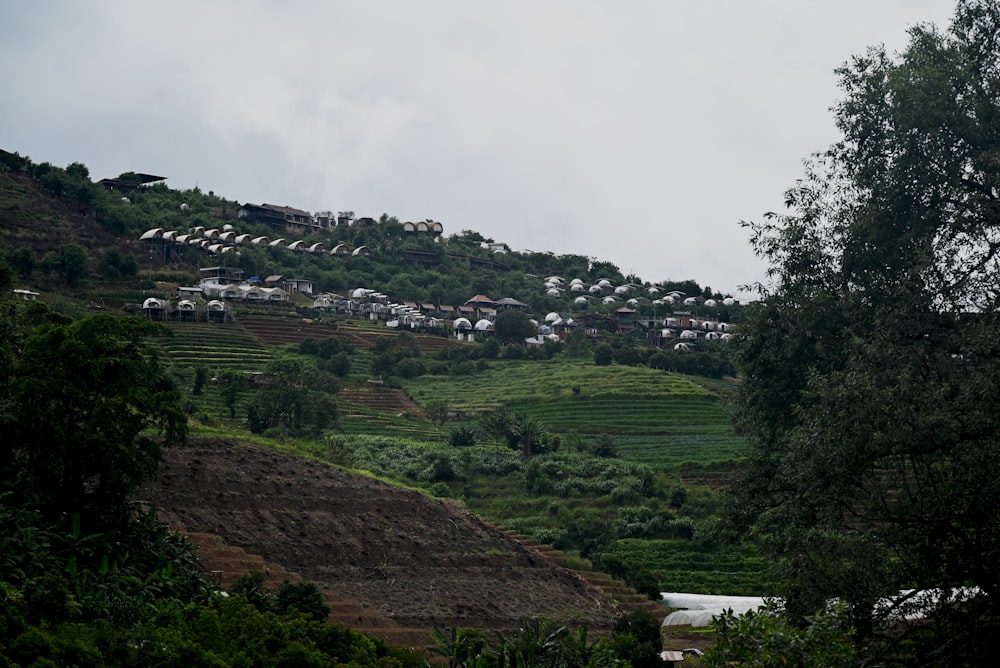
x=872, y=364
x=514, y=327
x=82, y=402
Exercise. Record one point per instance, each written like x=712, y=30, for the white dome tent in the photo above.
x=323, y=301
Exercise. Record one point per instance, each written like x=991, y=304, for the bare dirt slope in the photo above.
x=394, y=562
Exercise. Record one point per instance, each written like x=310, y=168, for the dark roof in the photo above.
x=285, y=210
x=480, y=299
x=130, y=184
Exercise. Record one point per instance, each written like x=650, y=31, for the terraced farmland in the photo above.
x=681, y=565
x=276, y=331
x=657, y=418
x=215, y=346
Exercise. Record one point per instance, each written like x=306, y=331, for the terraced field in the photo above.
x=215, y=346
x=657, y=418
x=276, y=331
x=382, y=411
x=680, y=565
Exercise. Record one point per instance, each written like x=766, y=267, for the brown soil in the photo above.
x=32, y=218
x=392, y=562
x=276, y=331
x=381, y=398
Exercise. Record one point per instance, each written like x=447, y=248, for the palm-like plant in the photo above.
x=462, y=647
x=528, y=431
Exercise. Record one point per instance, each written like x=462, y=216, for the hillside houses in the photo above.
x=282, y=219
x=291, y=221
x=226, y=288
x=599, y=306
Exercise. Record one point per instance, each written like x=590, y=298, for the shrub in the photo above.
x=440, y=468
x=304, y=597
x=463, y=436
x=604, y=355
x=440, y=490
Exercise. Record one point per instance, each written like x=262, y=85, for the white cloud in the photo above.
x=637, y=132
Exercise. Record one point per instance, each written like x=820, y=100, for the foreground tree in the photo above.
x=82, y=402
x=872, y=364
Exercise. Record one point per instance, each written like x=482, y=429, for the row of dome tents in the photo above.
x=155, y=307
x=222, y=241
x=681, y=332
x=603, y=287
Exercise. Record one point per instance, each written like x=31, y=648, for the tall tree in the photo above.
x=69, y=263
x=514, y=327
x=871, y=364
x=82, y=402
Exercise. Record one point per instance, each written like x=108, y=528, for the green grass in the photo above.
x=361, y=420
x=657, y=418
x=682, y=565
x=213, y=346
x=523, y=382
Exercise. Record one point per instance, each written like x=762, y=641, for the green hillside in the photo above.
x=629, y=451
x=657, y=418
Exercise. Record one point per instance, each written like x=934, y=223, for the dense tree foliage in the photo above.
x=514, y=327
x=765, y=639
x=295, y=399
x=872, y=365
x=82, y=402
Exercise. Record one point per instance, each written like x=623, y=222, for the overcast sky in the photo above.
x=637, y=132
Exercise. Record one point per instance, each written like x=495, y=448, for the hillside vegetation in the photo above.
x=616, y=465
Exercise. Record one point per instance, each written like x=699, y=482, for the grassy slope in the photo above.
x=657, y=418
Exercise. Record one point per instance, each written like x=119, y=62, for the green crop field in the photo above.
x=213, y=346
x=685, y=566
x=657, y=418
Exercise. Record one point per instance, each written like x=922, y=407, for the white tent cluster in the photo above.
x=377, y=306
x=226, y=240
x=184, y=309
x=605, y=291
